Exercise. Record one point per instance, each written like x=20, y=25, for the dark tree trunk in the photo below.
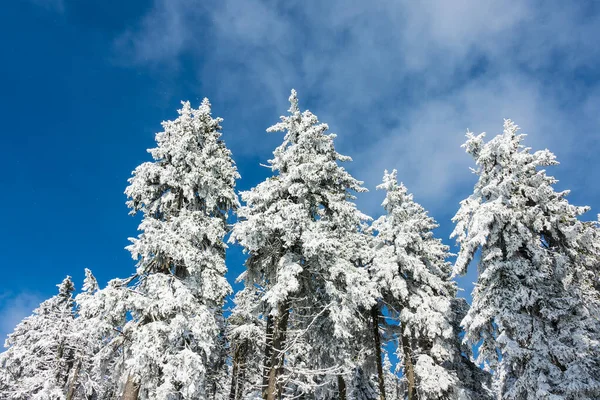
x=73, y=383
x=66, y=360
x=132, y=389
x=341, y=387
x=273, y=390
x=237, y=373
x=216, y=362
x=377, y=343
x=268, y=352
x=241, y=374
x=234, y=378
x=409, y=369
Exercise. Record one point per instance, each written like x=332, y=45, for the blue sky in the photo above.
x=85, y=85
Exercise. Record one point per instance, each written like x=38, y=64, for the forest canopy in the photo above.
x=334, y=304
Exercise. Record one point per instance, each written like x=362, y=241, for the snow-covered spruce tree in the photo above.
x=102, y=314
x=413, y=277
x=84, y=343
x=361, y=386
x=298, y=227
x=584, y=252
x=39, y=357
x=245, y=332
x=394, y=385
x=176, y=297
x=93, y=340
x=531, y=308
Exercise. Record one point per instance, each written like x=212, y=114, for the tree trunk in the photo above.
x=377, y=344
x=73, y=383
x=65, y=360
x=234, y=373
x=132, y=389
x=409, y=369
x=216, y=362
x=268, y=352
x=241, y=373
x=237, y=372
x=273, y=390
x=341, y=387
x=240, y=379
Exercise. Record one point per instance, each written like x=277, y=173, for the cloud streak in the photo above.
x=400, y=81
x=13, y=308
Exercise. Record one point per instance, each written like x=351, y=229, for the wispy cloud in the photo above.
x=400, y=81
x=162, y=35
x=13, y=308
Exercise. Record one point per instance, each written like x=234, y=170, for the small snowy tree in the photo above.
x=533, y=304
x=170, y=341
x=394, y=385
x=298, y=228
x=94, y=361
x=413, y=277
x=39, y=356
x=102, y=315
x=246, y=340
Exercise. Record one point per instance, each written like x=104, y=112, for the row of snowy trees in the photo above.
x=327, y=292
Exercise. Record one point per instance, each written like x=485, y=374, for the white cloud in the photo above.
x=163, y=34
x=14, y=308
x=400, y=81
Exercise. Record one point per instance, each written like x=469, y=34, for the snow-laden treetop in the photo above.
x=192, y=168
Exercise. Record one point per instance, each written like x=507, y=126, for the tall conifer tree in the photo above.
x=533, y=308
x=299, y=228
x=413, y=277
x=175, y=299
x=95, y=341
x=39, y=355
